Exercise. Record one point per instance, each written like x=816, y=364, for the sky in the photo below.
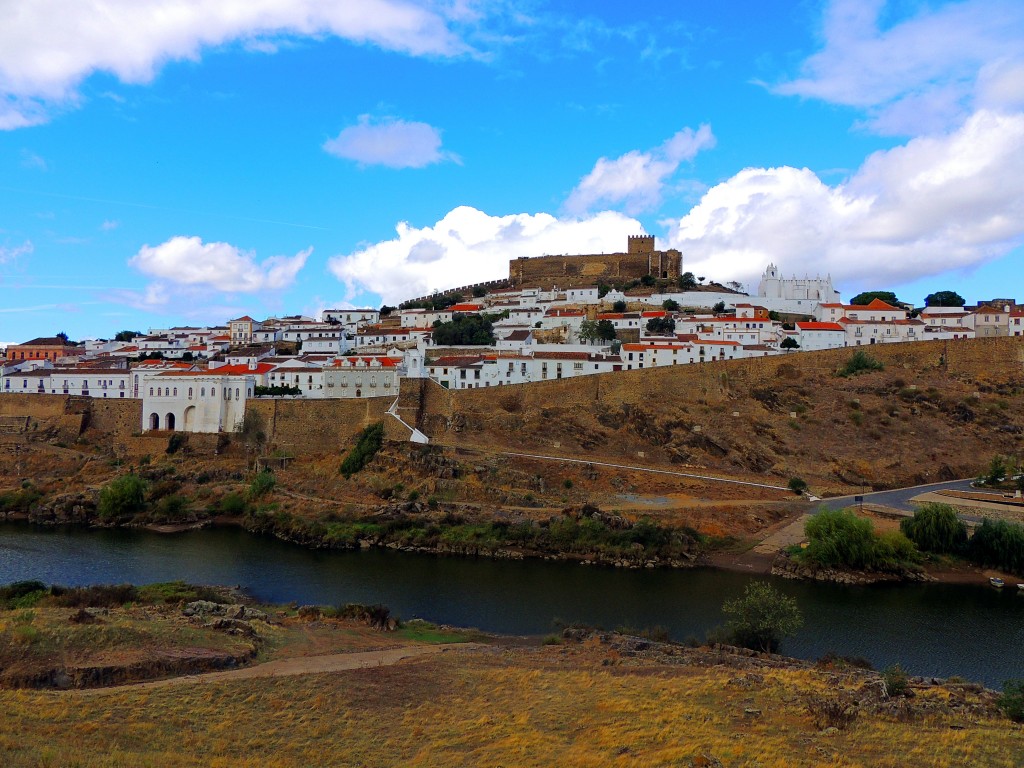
x=180, y=162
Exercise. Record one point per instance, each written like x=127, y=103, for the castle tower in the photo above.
x=640, y=244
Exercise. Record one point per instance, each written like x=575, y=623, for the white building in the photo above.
x=816, y=290
x=812, y=336
x=195, y=401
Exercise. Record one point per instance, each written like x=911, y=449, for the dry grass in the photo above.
x=552, y=706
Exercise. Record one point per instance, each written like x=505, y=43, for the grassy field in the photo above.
x=562, y=705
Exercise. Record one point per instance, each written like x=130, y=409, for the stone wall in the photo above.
x=321, y=426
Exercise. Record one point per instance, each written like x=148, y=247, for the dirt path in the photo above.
x=302, y=665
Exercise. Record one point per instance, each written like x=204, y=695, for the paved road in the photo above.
x=898, y=498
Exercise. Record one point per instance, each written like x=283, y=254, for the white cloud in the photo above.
x=110, y=224
x=390, y=142
x=191, y=262
x=30, y=159
x=636, y=179
x=48, y=47
x=937, y=203
x=922, y=74
x=469, y=246
x=10, y=253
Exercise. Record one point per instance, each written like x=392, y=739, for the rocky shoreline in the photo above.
x=786, y=567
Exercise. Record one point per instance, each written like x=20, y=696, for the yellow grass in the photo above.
x=489, y=707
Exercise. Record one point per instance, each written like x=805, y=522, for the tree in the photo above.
x=63, y=337
x=605, y=330
x=789, y=343
x=736, y=285
x=762, y=617
x=719, y=307
x=122, y=497
x=944, y=299
x=670, y=305
x=774, y=316
x=996, y=472
x=619, y=306
x=187, y=357
x=588, y=331
x=662, y=325
x=126, y=335
x=602, y=290
x=479, y=292
x=862, y=299
x=687, y=282
x=369, y=442
x=797, y=485
x=935, y=528
x=464, y=330
x=647, y=280
x=386, y=309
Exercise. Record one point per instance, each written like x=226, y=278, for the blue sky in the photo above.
x=180, y=162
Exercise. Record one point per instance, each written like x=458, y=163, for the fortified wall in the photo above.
x=640, y=259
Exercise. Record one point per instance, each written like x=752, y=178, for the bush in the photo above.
x=176, y=442
x=173, y=507
x=21, y=594
x=370, y=441
x=762, y=617
x=464, y=330
x=262, y=484
x=619, y=306
x=232, y=504
x=122, y=497
x=860, y=362
x=936, y=528
x=797, y=485
x=896, y=682
x=838, y=538
x=1011, y=701
x=998, y=544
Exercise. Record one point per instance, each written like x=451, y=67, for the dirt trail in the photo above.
x=302, y=665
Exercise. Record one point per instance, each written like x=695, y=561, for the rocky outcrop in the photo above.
x=788, y=568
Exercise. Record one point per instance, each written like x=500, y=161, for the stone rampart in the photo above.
x=319, y=426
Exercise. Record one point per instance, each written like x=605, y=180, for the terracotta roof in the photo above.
x=465, y=308
x=874, y=304
x=819, y=327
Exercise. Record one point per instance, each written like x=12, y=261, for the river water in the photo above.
x=929, y=629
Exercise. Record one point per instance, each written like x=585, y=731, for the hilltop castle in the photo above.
x=640, y=259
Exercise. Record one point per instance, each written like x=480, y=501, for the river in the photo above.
x=929, y=629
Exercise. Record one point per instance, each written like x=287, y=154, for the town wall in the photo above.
x=321, y=426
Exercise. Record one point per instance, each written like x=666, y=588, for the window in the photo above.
x=236, y=393
x=175, y=391
x=150, y=391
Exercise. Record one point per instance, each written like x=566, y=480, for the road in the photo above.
x=898, y=498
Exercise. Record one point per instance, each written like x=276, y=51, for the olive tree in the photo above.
x=762, y=617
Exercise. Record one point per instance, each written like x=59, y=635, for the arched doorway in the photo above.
x=154, y=421
x=359, y=393
x=189, y=418
x=170, y=422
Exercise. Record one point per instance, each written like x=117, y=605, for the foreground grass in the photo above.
x=567, y=706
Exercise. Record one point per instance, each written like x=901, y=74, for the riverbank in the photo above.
x=588, y=698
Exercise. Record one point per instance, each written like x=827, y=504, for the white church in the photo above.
x=795, y=294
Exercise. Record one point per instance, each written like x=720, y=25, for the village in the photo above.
x=555, y=317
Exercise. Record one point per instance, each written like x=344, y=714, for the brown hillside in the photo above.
x=937, y=411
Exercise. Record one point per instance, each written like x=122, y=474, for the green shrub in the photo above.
x=232, y=504
x=936, y=528
x=998, y=544
x=1011, y=701
x=840, y=539
x=762, y=617
x=21, y=594
x=262, y=484
x=369, y=442
x=173, y=507
x=896, y=682
x=797, y=485
x=860, y=362
x=176, y=442
x=122, y=497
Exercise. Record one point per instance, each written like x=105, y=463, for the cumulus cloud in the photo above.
x=189, y=261
x=922, y=74
x=389, y=142
x=10, y=253
x=937, y=203
x=48, y=47
x=636, y=179
x=469, y=246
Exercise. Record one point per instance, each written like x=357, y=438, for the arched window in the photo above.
x=150, y=391
x=190, y=393
x=202, y=391
x=236, y=393
x=175, y=391
x=159, y=391
x=213, y=391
